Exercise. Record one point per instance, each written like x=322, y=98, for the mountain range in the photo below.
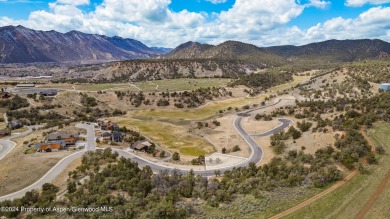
x=22, y=45
x=327, y=51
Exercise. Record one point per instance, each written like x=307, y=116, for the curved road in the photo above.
x=255, y=157
x=6, y=145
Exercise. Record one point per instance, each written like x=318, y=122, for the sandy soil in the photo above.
x=253, y=126
x=265, y=144
x=224, y=160
x=312, y=141
x=227, y=136
x=238, y=91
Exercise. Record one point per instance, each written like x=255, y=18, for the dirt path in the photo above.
x=374, y=197
x=316, y=197
x=380, y=187
x=368, y=139
x=135, y=86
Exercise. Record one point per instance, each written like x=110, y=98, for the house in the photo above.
x=5, y=132
x=48, y=93
x=109, y=126
x=106, y=136
x=114, y=127
x=103, y=126
x=117, y=137
x=69, y=139
x=5, y=95
x=141, y=145
x=49, y=146
x=15, y=124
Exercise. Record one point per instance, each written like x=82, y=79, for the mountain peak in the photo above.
x=24, y=45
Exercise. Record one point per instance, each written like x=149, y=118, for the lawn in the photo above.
x=107, y=87
x=346, y=201
x=169, y=136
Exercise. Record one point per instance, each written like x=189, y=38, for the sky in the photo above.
x=168, y=23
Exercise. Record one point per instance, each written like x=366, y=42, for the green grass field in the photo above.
x=169, y=136
x=159, y=85
x=346, y=201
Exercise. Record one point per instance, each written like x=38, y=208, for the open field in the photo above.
x=169, y=136
x=264, y=206
x=346, y=201
x=212, y=108
x=209, y=110
x=297, y=80
x=158, y=85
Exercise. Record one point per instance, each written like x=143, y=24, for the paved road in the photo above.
x=285, y=123
x=59, y=167
x=6, y=145
x=255, y=157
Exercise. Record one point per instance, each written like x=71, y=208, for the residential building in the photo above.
x=5, y=95
x=106, y=136
x=69, y=139
x=5, y=132
x=117, y=137
x=141, y=145
x=15, y=124
x=53, y=145
x=48, y=93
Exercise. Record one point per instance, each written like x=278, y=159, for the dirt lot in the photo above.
x=312, y=141
x=253, y=126
x=227, y=136
x=265, y=144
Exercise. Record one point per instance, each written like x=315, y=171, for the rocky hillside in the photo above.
x=227, y=51
x=23, y=45
x=335, y=50
x=140, y=70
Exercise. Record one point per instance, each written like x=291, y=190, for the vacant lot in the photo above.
x=173, y=137
x=346, y=201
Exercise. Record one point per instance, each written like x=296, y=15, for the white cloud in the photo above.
x=319, y=3
x=372, y=23
x=74, y=2
x=358, y=3
x=217, y=1
x=262, y=22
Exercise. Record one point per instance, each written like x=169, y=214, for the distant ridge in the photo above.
x=229, y=50
x=22, y=45
x=335, y=50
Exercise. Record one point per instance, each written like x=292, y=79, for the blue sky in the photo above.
x=171, y=22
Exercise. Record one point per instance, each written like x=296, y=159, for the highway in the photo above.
x=255, y=157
